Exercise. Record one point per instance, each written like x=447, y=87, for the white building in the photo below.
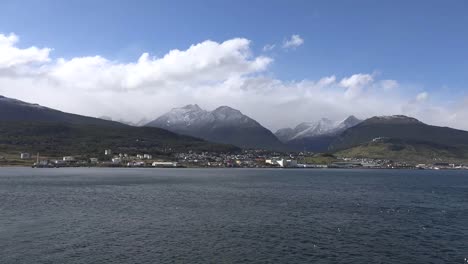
x=107, y=152
x=147, y=156
x=136, y=164
x=25, y=155
x=116, y=160
x=284, y=163
x=164, y=164
x=93, y=160
x=68, y=158
x=272, y=161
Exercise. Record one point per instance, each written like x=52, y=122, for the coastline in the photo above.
x=229, y=168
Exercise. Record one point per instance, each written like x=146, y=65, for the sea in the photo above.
x=105, y=215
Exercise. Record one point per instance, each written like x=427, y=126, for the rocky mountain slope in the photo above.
x=223, y=125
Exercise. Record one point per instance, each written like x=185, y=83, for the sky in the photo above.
x=280, y=62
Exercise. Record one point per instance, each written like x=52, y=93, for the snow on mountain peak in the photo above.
x=191, y=107
x=193, y=115
x=323, y=126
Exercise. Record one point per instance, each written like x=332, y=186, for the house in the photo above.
x=25, y=155
x=107, y=152
x=93, y=160
x=116, y=160
x=147, y=156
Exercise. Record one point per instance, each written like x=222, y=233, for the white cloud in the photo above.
x=206, y=62
x=210, y=74
x=16, y=60
x=269, y=47
x=389, y=85
x=294, y=42
x=355, y=83
x=420, y=97
x=356, y=80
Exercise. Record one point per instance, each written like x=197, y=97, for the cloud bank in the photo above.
x=210, y=74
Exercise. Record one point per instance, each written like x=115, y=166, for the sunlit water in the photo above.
x=232, y=216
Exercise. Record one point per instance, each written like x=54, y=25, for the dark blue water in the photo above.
x=232, y=216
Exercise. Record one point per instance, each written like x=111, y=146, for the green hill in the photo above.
x=57, y=139
x=399, y=127
x=406, y=150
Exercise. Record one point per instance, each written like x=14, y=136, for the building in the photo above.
x=272, y=161
x=59, y=162
x=68, y=158
x=116, y=160
x=136, y=164
x=107, y=152
x=25, y=155
x=164, y=164
x=147, y=156
x=93, y=160
x=284, y=163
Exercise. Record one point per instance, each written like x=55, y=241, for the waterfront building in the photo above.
x=164, y=164
x=68, y=158
x=25, y=155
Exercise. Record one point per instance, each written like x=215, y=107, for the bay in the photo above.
x=100, y=215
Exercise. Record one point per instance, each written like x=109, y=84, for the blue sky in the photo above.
x=421, y=44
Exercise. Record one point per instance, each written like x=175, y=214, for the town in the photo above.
x=246, y=159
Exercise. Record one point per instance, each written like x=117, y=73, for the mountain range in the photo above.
x=224, y=125
x=315, y=136
x=34, y=128
x=312, y=129
x=31, y=127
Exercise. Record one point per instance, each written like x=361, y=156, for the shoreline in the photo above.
x=256, y=168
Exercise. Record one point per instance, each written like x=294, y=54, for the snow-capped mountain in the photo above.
x=313, y=129
x=224, y=125
x=315, y=136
